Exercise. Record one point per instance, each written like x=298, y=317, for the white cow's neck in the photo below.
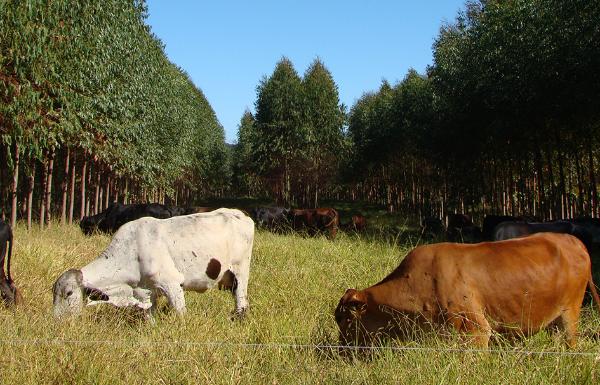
x=113, y=266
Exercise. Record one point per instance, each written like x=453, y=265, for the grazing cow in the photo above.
x=271, y=218
x=432, y=227
x=149, y=256
x=118, y=214
x=462, y=229
x=592, y=225
x=508, y=230
x=198, y=209
x=357, y=223
x=316, y=220
x=8, y=290
x=518, y=286
x=491, y=221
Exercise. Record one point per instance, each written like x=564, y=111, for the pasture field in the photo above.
x=295, y=284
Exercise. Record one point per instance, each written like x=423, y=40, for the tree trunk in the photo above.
x=97, y=170
x=89, y=183
x=107, y=193
x=43, y=194
x=82, y=191
x=540, y=183
x=562, y=184
x=72, y=191
x=30, y=187
x=13, y=190
x=64, y=185
x=593, y=190
x=49, y=189
x=580, y=190
x=115, y=186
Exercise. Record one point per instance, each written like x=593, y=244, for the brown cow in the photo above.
x=357, y=223
x=512, y=287
x=315, y=220
x=198, y=209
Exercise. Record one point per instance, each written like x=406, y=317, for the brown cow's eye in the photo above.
x=69, y=293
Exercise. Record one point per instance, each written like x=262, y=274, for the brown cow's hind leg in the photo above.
x=569, y=320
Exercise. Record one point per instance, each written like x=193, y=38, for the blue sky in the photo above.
x=228, y=46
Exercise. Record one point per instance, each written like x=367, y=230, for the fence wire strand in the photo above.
x=277, y=345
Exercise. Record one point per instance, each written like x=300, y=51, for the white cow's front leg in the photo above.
x=147, y=297
x=174, y=294
x=240, y=289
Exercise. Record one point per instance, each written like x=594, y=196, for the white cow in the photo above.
x=151, y=256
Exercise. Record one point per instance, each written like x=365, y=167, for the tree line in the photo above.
x=505, y=120
x=92, y=111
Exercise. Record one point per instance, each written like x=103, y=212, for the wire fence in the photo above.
x=315, y=347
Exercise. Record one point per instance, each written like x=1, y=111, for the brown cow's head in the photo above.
x=349, y=315
x=363, y=321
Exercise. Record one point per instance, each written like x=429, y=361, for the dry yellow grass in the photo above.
x=295, y=284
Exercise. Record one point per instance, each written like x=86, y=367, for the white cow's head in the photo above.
x=68, y=293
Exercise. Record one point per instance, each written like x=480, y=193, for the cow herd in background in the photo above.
x=278, y=219
x=501, y=227
x=476, y=288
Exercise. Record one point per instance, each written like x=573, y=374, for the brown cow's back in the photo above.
x=516, y=285
x=316, y=220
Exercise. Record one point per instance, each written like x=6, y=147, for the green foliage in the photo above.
x=508, y=108
x=90, y=76
x=292, y=145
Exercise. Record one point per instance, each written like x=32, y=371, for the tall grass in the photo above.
x=295, y=284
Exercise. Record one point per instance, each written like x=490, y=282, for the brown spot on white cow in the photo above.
x=213, y=269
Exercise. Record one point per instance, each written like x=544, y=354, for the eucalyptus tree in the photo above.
x=280, y=132
x=245, y=176
x=324, y=117
x=87, y=85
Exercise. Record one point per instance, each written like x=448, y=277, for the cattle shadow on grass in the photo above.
x=131, y=316
x=107, y=314
x=327, y=346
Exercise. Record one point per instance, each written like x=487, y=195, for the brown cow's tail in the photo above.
x=592, y=288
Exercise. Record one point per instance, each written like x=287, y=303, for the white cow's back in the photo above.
x=176, y=250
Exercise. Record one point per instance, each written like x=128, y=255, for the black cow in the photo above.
x=590, y=224
x=491, y=221
x=8, y=291
x=432, y=227
x=271, y=218
x=118, y=214
x=462, y=229
x=508, y=230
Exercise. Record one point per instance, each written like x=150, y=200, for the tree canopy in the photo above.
x=90, y=77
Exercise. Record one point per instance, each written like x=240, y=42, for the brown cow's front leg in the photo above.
x=474, y=324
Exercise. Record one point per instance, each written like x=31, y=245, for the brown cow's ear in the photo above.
x=355, y=300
